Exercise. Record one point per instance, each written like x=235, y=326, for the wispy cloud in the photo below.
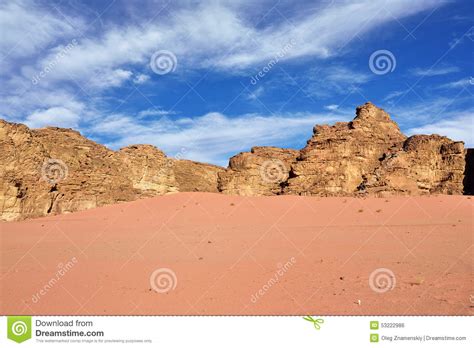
x=460, y=127
x=199, y=41
x=417, y=113
x=331, y=107
x=212, y=137
x=27, y=28
x=326, y=82
x=256, y=93
x=393, y=95
x=226, y=39
x=462, y=83
x=155, y=112
x=437, y=71
x=55, y=116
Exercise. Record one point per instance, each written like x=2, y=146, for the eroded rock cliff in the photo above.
x=367, y=156
x=53, y=170
x=337, y=157
x=424, y=164
x=262, y=171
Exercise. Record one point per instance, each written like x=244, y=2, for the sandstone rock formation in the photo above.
x=193, y=176
x=424, y=164
x=258, y=172
x=336, y=158
x=368, y=155
x=53, y=170
x=150, y=171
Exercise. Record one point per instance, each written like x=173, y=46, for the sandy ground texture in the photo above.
x=202, y=253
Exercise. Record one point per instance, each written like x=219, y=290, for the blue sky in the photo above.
x=206, y=80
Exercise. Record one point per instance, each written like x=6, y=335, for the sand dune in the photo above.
x=244, y=255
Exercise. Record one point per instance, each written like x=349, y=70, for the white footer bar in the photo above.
x=236, y=331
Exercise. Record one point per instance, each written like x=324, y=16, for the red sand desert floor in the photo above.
x=202, y=253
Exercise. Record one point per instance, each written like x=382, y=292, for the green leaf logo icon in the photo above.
x=19, y=328
x=316, y=322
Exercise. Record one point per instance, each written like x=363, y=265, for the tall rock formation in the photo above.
x=367, y=156
x=337, y=157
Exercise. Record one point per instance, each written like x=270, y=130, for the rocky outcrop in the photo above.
x=424, y=164
x=262, y=171
x=337, y=157
x=367, y=156
x=53, y=170
x=193, y=176
x=149, y=170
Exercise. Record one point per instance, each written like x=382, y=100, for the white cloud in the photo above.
x=428, y=72
x=27, y=28
x=155, y=112
x=456, y=128
x=394, y=94
x=56, y=116
x=331, y=107
x=423, y=111
x=326, y=82
x=141, y=78
x=26, y=99
x=321, y=33
x=217, y=35
x=256, y=93
x=212, y=137
x=109, y=78
x=458, y=84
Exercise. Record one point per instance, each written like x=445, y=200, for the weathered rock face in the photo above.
x=424, y=164
x=337, y=157
x=150, y=171
x=368, y=155
x=54, y=170
x=194, y=176
x=262, y=171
